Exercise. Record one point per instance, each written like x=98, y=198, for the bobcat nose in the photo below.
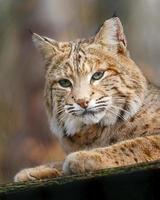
x=82, y=103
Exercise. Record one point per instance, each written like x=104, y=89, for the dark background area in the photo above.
x=25, y=138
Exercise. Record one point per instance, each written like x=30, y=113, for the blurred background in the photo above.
x=25, y=138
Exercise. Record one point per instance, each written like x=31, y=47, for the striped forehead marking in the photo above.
x=74, y=55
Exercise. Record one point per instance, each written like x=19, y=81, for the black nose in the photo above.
x=82, y=103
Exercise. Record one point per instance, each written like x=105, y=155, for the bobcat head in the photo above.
x=90, y=81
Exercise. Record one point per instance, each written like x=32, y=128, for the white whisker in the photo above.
x=121, y=117
x=121, y=109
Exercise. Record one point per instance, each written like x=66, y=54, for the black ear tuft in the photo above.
x=30, y=31
x=114, y=14
x=98, y=28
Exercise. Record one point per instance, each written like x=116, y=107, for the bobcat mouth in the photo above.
x=88, y=112
x=92, y=117
x=91, y=112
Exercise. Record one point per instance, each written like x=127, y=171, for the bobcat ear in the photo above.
x=112, y=36
x=46, y=46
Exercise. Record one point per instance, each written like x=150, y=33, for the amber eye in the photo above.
x=97, y=75
x=65, y=83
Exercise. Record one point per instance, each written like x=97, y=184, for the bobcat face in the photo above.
x=90, y=81
x=85, y=96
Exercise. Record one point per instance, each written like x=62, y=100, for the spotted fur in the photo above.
x=109, y=122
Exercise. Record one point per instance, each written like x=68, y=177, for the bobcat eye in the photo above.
x=97, y=75
x=65, y=83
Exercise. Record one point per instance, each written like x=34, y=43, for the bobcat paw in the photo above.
x=82, y=161
x=36, y=173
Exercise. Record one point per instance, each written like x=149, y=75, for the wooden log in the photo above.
x=137, y=182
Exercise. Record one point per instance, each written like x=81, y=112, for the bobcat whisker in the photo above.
x=100, y=105
x=60, y=110
x=70, y=108
x=62, y=118
x=72, y=111
x=117, y=115
x=121, y=109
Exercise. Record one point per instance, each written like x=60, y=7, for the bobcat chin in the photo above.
x=102, y=109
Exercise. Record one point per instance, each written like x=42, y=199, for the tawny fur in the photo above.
x=124, y=123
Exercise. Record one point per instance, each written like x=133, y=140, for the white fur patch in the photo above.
x=134, y=107
x=93, y=119
x=109, y=119
x=55, y=128
x=72, y=125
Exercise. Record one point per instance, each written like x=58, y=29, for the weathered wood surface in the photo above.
x=138, y=182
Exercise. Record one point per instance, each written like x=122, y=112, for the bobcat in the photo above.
x=101, y=108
